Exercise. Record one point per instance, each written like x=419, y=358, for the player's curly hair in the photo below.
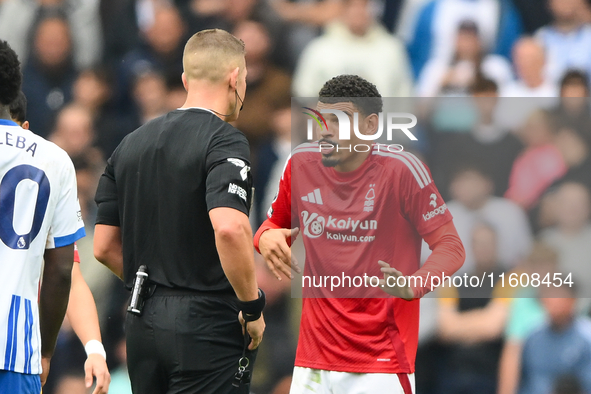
x=352, y=88
x=10, y=74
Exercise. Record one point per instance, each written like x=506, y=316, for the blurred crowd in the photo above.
x=514, y=164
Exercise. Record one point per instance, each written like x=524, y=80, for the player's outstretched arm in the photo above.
x=83, y=317
x=274, y=245
x=447, y=256
x=53, y=300
x=108, y=248
x=233, y=241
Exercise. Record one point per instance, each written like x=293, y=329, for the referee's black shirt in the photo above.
x=159, y=186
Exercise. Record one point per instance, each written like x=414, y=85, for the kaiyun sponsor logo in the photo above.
x=314, y=224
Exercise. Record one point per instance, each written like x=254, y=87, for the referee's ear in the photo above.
x=234, y=78
x=184, y=79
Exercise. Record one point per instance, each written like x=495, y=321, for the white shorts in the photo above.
x=318, y=381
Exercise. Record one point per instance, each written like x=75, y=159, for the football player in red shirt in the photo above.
x=362, y=212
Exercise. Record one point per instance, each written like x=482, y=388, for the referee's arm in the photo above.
x=233, y=238
x=108, y=246
x=228, y=198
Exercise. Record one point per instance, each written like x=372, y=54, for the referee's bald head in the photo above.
x=211, y=54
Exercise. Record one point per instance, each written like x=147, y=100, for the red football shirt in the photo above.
x=76, y=254
x=348, y=222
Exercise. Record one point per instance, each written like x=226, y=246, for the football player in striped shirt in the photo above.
x=81, y=312
x=39, y=220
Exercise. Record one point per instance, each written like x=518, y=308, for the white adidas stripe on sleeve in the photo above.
x=414, y=169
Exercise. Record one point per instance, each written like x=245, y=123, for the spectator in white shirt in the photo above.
x=567, y=40
x=355, y=44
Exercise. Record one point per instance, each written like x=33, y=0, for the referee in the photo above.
x=173, y=204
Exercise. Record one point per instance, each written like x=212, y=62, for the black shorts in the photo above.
x=185, y=344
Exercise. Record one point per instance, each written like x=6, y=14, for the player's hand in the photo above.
x=255, y=329
x=277, y=253
x=45, y=362
x=96, y=366
x=390, y=285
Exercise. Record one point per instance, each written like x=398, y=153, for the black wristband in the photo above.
x=251, y=310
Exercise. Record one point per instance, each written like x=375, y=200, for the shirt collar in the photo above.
x=204, y=109
x=6, y=122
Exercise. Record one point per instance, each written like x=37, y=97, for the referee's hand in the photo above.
x=277, y=253
x=255, y=330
